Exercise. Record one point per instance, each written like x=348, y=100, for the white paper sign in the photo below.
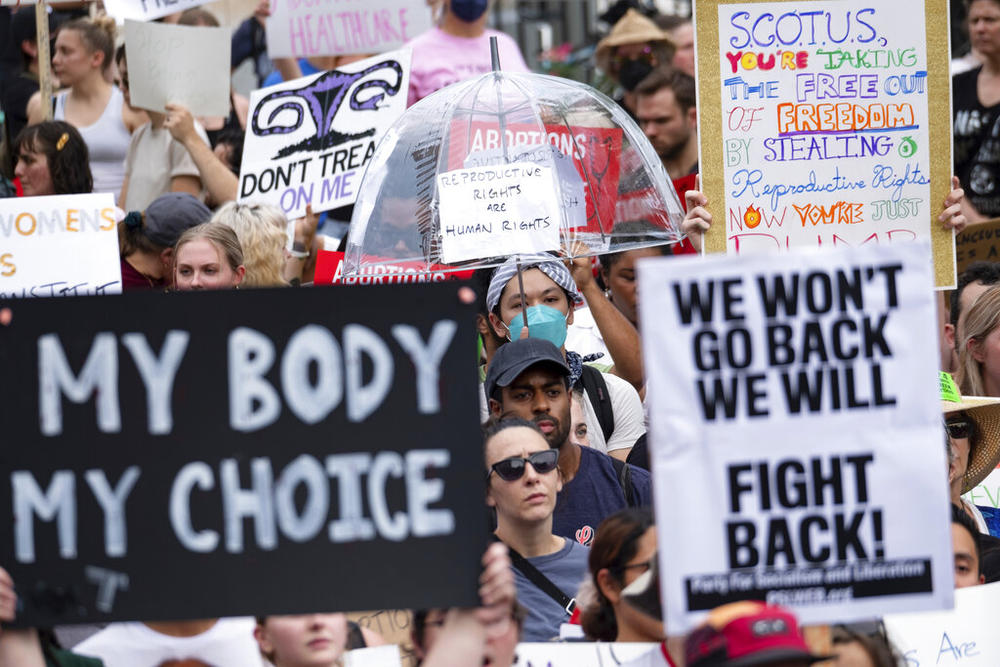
x=825, y=124
x=386, y=655
x=788, y=400
x=966, y=635
x=302, y=28
x=65, y=245
x=178, y=63
x=499, y=210
x=147, y=10
x=310, y=140
x=583, y=654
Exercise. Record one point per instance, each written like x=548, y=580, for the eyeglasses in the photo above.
x=958, y=428
x=646, y=564
x=513, y=468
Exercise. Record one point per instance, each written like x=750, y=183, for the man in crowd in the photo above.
x=529, y=378
x=668, y=115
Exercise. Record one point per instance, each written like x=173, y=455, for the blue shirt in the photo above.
x=275, y=76
x=567, y=569
x=593, y=495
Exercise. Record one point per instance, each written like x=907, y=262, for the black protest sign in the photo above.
x=230, y=453
x=801, y=431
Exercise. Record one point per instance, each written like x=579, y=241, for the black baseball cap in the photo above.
x=517, y=356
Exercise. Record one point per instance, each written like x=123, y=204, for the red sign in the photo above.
x=330, y=271
x=596, y=153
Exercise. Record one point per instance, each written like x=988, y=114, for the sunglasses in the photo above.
x=958, y=428
x=513, y=468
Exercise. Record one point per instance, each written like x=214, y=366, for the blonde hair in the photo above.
x=261, y=231
x=982, y=319
x=97, y=34
x=221, y=236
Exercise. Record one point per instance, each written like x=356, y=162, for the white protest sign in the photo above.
x=499, y=210
x=147, y=10
x=580, y=654
x=309, y=140
x=966, y=635
x=788, y=400
x=825, y=123
x=302, y=28
x=65, y=245
x=178, y=63
x=386, y=655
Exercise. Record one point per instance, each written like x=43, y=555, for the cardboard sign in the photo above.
x=788, y=401
x=498, y=210
x=172, y=463
x=303, y=28
x=147, y=10
x=979, y=242
x=62, y=245
x=188, y=65
x=309, y=140
x=965, y=635
x=825, y=124
x=330, y=271
x=549, y=654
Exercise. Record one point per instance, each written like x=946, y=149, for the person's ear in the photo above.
x=29, y=47
x=608, y=586
x=569, y=315
x=490, y=502
x=241, y=272
x=499, y=328
x=263, y=641
x=982, y=579
x=482, y=325
x=495, y=407
x=692, y=115
x=949, y=335
x=976, y=350
x=97, y=59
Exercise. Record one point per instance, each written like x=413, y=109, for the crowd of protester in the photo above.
x=562, y=400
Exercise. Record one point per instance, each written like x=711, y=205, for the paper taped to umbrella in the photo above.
x=508, y=208
x=591, y=154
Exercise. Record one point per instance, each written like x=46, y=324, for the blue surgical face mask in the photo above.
x=544, y=322
x=469, y=10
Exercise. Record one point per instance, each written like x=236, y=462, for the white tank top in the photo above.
x=107, y=142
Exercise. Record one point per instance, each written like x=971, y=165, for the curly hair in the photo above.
x=64, y=150
x=261, y=231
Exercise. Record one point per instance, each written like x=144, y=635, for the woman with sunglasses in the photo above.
x=522, y=481
x=972, y=433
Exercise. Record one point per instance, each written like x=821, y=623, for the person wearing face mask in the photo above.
x=634, y=48
x=611, y=404
x=458, y=48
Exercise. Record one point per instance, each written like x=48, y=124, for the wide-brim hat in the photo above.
x=985, y=412
x=633, y=28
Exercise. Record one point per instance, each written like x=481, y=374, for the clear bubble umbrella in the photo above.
x=509, y=164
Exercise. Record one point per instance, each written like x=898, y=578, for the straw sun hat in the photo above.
x=633, y=28
x=985, y=412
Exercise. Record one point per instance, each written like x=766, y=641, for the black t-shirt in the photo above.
x=977, y=144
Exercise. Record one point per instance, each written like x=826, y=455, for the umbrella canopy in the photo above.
x=506, y=164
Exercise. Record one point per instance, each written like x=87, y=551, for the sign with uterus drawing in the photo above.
x=308, y=141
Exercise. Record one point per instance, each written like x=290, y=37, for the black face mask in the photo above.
x=631, y=72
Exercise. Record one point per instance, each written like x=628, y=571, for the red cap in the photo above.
x=744, y=634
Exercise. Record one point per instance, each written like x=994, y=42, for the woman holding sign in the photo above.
x=84, y=51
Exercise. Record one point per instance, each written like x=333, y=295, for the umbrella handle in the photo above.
x=494, y=54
